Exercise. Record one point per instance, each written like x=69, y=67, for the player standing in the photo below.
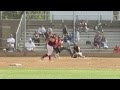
x=57, y=45
x=50, y=44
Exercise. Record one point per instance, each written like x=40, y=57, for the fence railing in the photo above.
x=44, y=17
x=21, y=30
x=3, y=43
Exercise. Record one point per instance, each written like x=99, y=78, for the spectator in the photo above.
x=96, y=28
x=99, y=27
x=83, y=26
x=10, y=43
x=36, y=38
x=104, y=42
x=41, y=31
x=65, y=31
x=97, y=40
x=29, y=46
x=72, y=36
x=80, y=27
x=77, y=36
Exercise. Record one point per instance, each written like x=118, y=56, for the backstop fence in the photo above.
x=21, y=30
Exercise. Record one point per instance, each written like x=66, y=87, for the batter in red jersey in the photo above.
x=50, y=44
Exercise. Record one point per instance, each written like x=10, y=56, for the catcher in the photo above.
x=76, y=51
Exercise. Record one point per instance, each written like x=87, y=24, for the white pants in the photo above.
x=79, y=54
x=105, y=45
x=50, y=50
x=10, y=45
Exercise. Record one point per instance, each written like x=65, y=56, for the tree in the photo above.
x=11, y=14
x=42, y=15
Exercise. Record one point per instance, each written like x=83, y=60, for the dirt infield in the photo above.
x=62, y=62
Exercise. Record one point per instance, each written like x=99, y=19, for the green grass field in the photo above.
x=21, y=73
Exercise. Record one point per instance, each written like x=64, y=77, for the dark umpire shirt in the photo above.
x=76, y=48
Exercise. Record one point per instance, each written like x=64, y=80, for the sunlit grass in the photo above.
x=58, y=74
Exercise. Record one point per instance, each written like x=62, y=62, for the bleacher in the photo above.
x=111, y=31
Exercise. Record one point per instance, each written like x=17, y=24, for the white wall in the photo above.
x=87, y=15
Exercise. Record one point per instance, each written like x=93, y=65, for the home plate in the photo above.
x=15, y=64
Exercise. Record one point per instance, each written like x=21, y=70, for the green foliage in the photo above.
x=42, y=15
x=11, y=14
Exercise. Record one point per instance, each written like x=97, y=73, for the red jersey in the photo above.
x=57, y=43
x=51, y=41
x=117, y=49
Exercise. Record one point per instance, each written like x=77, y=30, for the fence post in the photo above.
x=74, y=25
x=0, y=15
x=52, y=18
x=76, y=17
x=16, y=41
x=25, y=27
x=100, y=18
